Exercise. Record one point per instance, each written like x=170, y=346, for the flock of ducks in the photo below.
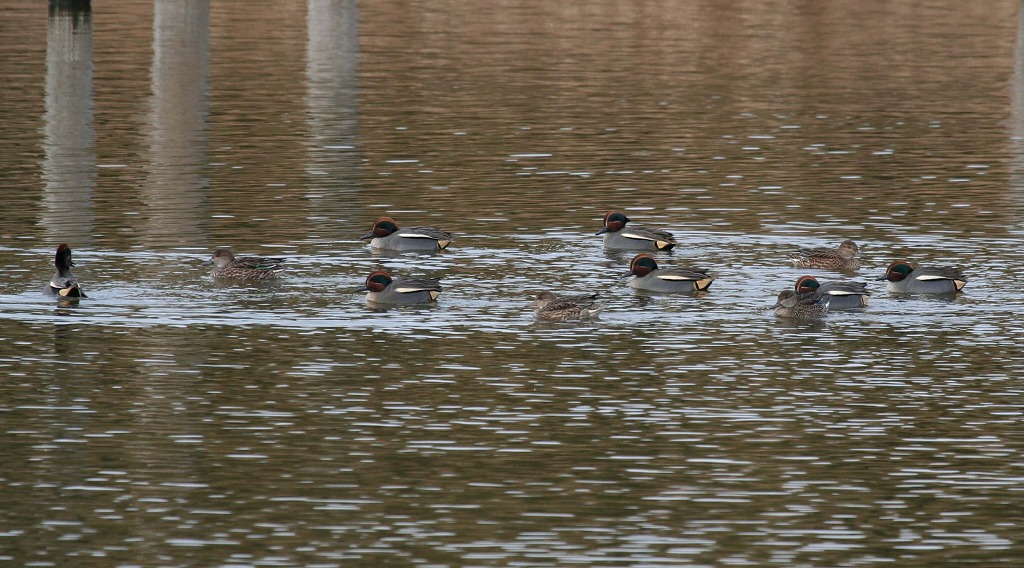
x=808, y=299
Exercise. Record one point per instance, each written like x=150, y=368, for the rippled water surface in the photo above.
x=171, y=420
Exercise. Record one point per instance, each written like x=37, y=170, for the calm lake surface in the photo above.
x=171, y=420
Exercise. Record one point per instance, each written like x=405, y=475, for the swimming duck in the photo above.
x=385, y=235
x=550, y=307
x=618, y=237
x=841, y=259
x=904, y=278
x=382, y=289
x=63, y=284
x=228, y=267
x=677, y=279
x=793, y=305
x=838, y=295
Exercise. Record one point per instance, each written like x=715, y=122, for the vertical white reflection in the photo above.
x=332, y=50
x=69, y=154
x=175, y=188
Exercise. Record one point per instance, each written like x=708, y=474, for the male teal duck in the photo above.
x=63, y=284
x=673, y=280
x=382, y=289
x=838, y=295
x=386, y=235
x=904, y=278
x=618, y=237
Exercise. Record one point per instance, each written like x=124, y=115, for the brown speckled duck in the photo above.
x=226, y=266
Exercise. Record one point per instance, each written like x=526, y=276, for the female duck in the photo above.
x=905, y=279
x=385, y=235
x=63, y=284
x=617, y=237
x=675, y=280
x=841, y=259
x=227, y=267
x=382, y=289
x=838, y=295
x=550, y=307
x=793, y=305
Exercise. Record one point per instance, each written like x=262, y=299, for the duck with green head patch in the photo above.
x=651, y=278
x=904, y=278
x=838, y=295
x=63, y=284
x=618, y=237
x=386, y=235
x=382, y=289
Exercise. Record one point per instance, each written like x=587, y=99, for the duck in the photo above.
x=617, y=237
x=64, y=284
x=551, y=307
x=383, y=289
x=386, y=235
x=842, y=258
x=794, y=305
x=838, y=295
x=674, y=280
x=904, y=278
x=226, y=266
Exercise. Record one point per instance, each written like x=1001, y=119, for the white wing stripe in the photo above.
x=638, y=237
x=409, y=290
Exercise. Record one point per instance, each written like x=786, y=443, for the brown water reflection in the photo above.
x=349, y=452
x=846, y=105
x=169, y=420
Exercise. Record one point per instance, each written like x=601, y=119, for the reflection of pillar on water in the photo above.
x=332, y=50
x=69, y=162
x=1017, y=113
x=175, y=188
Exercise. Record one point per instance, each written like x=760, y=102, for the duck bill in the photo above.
x=602, y=231
x=366, y=236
